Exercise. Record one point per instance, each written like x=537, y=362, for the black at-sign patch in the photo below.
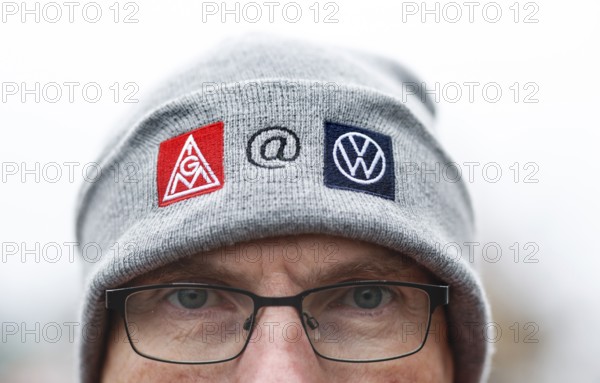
x=273, y=147
x=359, y=159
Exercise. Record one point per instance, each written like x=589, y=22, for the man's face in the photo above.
x=285, y=266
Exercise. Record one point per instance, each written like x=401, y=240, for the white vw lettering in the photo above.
x=360, y=160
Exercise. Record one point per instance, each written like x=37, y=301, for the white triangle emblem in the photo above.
x=191, y=172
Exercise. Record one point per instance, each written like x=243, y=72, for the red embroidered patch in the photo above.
x=190, y=164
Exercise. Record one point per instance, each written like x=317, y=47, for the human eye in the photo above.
x=193, y=302
x=367, y=297
x=189, y=299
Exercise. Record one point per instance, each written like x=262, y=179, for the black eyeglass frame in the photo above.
x=115, y=299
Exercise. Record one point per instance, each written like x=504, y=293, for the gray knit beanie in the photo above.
x=267, y=137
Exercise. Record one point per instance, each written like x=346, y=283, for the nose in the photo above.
x=278, y=350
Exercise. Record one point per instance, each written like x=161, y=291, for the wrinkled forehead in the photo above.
x=307, y=261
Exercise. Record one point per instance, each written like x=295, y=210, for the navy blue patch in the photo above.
x=360, y=160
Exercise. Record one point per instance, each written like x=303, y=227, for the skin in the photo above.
x=285, y=266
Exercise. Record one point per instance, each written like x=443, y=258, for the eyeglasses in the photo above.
x=194, y=323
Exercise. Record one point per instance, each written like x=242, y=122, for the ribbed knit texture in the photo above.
x=261, y=83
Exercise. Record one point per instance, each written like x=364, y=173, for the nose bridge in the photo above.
x=275, y=325
x=275, y=319
x=278, y=349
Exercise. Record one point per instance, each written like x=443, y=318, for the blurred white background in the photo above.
x=546, y=306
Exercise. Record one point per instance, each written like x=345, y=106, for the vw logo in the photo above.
x=350, y=155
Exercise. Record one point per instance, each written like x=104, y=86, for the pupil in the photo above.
x=192, y=299
x=368, y=297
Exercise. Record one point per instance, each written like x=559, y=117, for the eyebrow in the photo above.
x=191, y=269
x=393, y=266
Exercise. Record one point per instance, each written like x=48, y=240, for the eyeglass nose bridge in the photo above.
x=294, y=301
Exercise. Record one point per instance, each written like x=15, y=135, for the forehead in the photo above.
x=306, y=261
